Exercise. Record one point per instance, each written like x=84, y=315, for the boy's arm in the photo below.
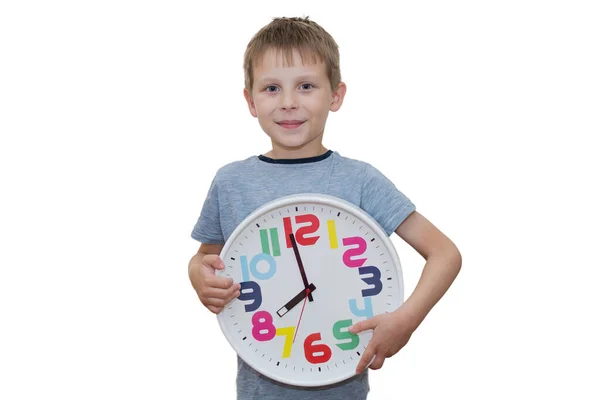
x=392, y=331
x=443, y=262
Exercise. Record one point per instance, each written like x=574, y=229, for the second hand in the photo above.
x=302, y=311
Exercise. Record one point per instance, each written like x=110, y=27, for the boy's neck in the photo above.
x=292, y=154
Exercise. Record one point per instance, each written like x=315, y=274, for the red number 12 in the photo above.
x=300, y=235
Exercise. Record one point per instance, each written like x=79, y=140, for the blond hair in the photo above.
x=289, y=34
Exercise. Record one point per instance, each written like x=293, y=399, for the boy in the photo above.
x=292, y=81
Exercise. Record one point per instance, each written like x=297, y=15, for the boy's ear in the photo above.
x=250, y=102
x=337, y=97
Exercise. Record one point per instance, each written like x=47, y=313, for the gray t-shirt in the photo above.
x=243, y=186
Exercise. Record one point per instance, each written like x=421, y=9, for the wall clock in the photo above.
x=310, y=266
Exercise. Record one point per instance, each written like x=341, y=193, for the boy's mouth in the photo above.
x=290, y=124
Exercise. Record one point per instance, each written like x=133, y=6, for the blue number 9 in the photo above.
x=252, y=292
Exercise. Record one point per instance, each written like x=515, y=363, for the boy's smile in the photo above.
x=292, y=102
x=290, y=124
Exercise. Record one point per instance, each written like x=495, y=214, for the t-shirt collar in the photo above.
x=295, y=160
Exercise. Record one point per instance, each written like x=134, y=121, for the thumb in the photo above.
x=370, y=323
x=214, y=261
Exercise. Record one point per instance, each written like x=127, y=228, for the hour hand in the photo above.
x=297, y=299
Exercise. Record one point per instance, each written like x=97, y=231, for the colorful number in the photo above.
x=301, y=239
x=263, y=321
x=288, y=332
x=333, y=241
x=374, y=280
x=344, y=334
x=362, y=312
x=250, y=290
x=287, y=230
x=354, y=252
x=264, y=241
x=316, y=353
x=253, y=267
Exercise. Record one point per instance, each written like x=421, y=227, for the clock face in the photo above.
x=310, y=266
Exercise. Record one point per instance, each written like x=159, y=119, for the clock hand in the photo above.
x=300, y=265
x=301, y=312
x=297, y=299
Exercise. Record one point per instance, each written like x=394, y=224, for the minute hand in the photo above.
x=294, y=302
x=300, y=265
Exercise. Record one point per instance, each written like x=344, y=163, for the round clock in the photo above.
x=309, y=266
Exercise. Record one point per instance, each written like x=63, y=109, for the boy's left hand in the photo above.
x=391, y=332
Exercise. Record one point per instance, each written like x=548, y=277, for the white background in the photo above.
x=115, y=115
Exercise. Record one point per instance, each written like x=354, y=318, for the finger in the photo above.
x=224, y=296
x=234, y=295
x=213, y=260
x=222, y=293
x=212, y=301
x=363, y=325
x=214, y=309
x=219, y=282
x=378, y=362
x=366, y=358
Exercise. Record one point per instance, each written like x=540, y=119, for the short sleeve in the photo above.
x=383, y=201
x=208, y=227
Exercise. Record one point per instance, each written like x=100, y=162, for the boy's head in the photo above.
x=292, y=81
x=287, y=34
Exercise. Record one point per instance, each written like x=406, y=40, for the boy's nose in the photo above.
x=288, y=101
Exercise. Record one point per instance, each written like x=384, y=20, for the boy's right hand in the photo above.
x=215, y=292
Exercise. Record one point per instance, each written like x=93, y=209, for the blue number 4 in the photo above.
x=364, y=312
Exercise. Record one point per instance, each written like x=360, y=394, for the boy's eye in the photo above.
x=306, y=86
x=271, y=88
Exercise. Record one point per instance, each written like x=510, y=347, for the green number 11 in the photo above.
x=264, y=240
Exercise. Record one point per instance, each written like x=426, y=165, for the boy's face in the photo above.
x=292, y=103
